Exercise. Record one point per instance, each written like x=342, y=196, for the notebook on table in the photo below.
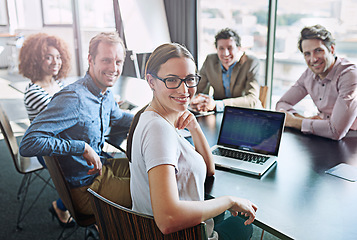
x=249, y=140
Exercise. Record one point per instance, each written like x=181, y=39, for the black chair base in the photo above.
x=27, y=180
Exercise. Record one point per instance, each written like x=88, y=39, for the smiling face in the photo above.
x=52, y=63
x=318, y=57
x=174, y=100
x=227, y=51
x=107, y=65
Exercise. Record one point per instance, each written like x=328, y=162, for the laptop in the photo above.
x=249, y=140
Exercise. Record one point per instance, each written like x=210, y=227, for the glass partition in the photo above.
x=338, y=16
x=57, y=12
x=250, y=20
x=94, y=16
x=3, y=13
x=247, y=18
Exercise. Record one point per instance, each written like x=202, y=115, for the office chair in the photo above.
x=27, y=166
x=64, y=192
x=118, y=222
x=263, y=95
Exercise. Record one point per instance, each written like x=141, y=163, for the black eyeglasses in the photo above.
x=175, y=82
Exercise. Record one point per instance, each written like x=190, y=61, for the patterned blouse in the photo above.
x=36, y=99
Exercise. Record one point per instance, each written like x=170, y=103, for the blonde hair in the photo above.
x=107, y=37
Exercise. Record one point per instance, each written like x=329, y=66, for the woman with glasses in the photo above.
x=167, y=172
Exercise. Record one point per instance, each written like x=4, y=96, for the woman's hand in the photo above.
x=187, y=120
x=245, y=207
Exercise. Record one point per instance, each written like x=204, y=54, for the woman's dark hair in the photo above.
x=316, y=32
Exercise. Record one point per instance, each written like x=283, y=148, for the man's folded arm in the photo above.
x=42, y=137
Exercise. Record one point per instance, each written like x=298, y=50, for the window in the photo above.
x=95, y=16
x=250, y=19
x=57, y=12
x=3, y=13
x=338, y=16
x=247, y=18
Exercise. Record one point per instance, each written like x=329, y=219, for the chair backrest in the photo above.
x=8, y=134
x=22, y=164
x=133, y=125
x=117, y=222
x=263, y=95
x=64, y=192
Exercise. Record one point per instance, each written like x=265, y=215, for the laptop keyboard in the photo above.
x=248, y=157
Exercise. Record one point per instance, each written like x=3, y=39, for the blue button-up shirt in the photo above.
x=226, y=77
x=77, y=114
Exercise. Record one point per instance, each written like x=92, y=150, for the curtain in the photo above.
x=182, y=21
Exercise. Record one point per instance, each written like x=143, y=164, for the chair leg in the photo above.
x=86, y=233
x=261, y=237
x=62, y=235
x=22, y=194
x=25, y=181
x=91, y=233
x=47, y=181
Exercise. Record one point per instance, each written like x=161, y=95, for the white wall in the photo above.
x=145, y=24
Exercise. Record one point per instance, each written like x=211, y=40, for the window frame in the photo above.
x=6, y=12
x=44, y=24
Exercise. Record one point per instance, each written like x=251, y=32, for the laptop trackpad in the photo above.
x=228, y=163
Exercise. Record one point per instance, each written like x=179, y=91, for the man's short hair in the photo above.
x=106, y=37
x=316, y=32
x=227, y=33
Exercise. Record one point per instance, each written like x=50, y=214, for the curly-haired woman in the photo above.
x=45, y=60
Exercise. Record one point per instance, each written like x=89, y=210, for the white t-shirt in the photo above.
x=156, y=142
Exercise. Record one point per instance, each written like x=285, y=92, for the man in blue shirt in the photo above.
x=231, y=73
x=75, y=121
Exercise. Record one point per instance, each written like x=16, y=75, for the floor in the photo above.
x=38, y=224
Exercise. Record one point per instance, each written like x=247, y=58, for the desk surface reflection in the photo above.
x=296, y=198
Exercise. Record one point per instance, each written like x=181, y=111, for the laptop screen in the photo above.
x=252, y=130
